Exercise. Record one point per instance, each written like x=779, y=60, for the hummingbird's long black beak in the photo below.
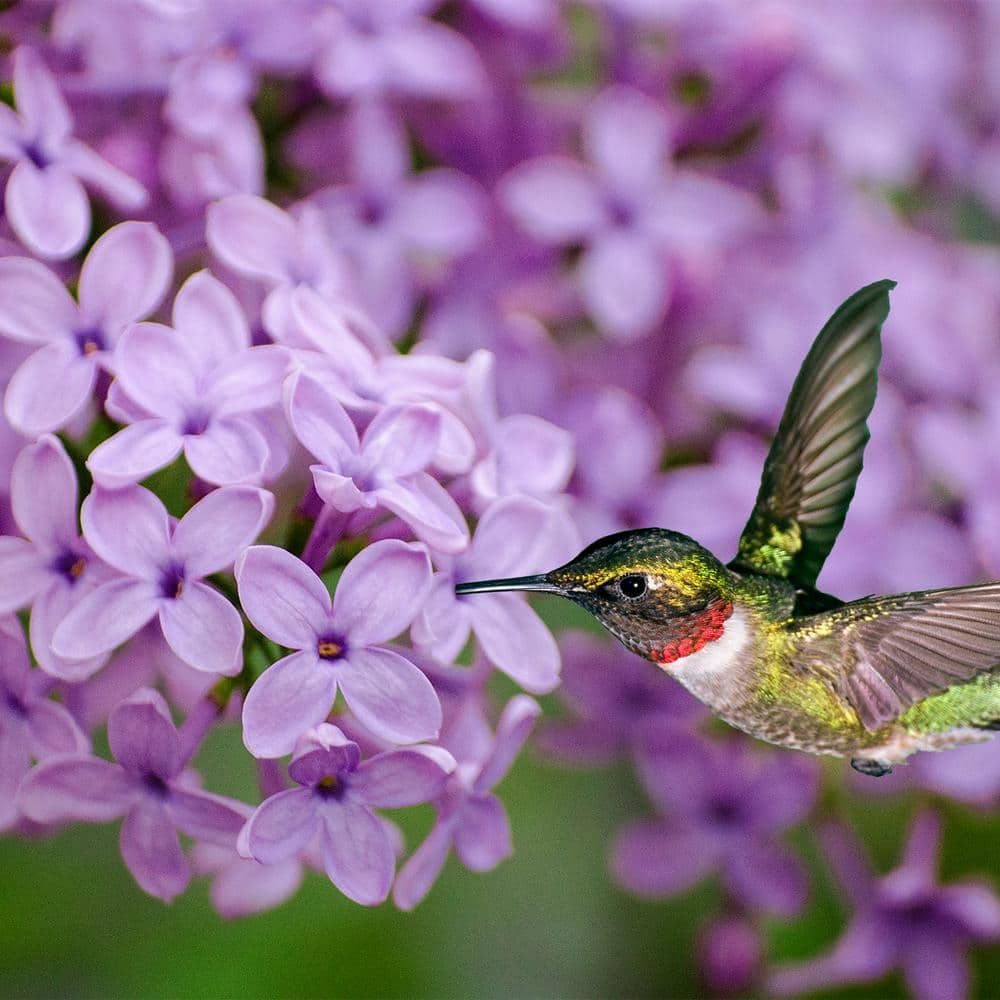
x=540, y=582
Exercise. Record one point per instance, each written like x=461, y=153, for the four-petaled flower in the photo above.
x=903, y=919
x=162, y=568
x=724, y=807
x=385, y=468
x=147, y=786
x=209, y=383
x=336, y=800
x=45, y=202
x=123, y=279
x=52, y=567
x=339, y=644
x=470, y=818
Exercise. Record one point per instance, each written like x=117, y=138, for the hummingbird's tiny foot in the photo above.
x=873, y=768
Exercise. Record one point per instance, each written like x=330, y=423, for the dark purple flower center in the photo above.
x=330, y=786
x=69, y=565
x=724, y=813
x=196, y=422
x=155, y=785
x=330, y=647
x=90, y=340
x=372, y=210
x=621, y=212
x=34, y=153
x=15, y=705
x=172, y=581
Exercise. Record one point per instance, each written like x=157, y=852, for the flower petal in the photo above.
x=76, y=788
x=120, y=188
x=35, y=307
x=48, y=209
x=320, y=423
x=624, y=281
x=357, y=853
x=389, y=695
x=125, y=276
x=152, y=852
x=252, y=236
x=482, y=833
x=381, y=591
x=204, y=629
x=208, y=817
x=513, y=538
x=105, y=618
x=134, y=453
x=626, y=135
x=516, y=640
x=147, y=347
x=52, y=731
x=513, y=729
x=129, y=529
x=49, y=389
x=553, y=198
x=428, y=508
x=651, y=859
x=245, y=887
x=229, y=451
x=39, y=101
x=401, y=440
x=282, y=597
x=143, y=736
x=417, y=876
x=432, y=60
x=47, y=614
x=291, y=696
x=23, y=574
x=403, y=777
x=249, y=381
x=208, y=316
x=281, y=826
x=767, y=877
x=219, y=527
x=43, y=494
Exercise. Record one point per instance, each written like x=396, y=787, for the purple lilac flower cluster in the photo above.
x=310, y=309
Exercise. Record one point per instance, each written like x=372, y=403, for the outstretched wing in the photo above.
x=813, y=465
x=888, y=653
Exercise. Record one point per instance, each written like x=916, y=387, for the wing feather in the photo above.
x=895, y=651
x=812, y=468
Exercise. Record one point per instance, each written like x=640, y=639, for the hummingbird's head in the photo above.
x=646, y=587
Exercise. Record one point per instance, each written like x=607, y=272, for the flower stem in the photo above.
x=325, y=534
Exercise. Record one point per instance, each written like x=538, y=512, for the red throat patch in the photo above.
x=696, y=632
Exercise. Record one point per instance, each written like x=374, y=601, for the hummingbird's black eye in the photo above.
x=632, y=586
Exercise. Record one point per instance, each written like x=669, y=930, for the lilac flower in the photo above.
x=620, y=701
x=338, y=644
x=52, y=567
x=32, y=726
x=515, y=536
x=723, y=807
x=903, y=919
x=384, y=469
x=45, y=202
x=398, y=227
x=631, y=214
x=162, y=569
x=394, y=49
x=336, y=799
x=123, y=279
x=257, y=240
x=209, y=383
x=146, y=786
x=470, y=818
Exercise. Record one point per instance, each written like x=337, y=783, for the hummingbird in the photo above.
x=875, y=679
